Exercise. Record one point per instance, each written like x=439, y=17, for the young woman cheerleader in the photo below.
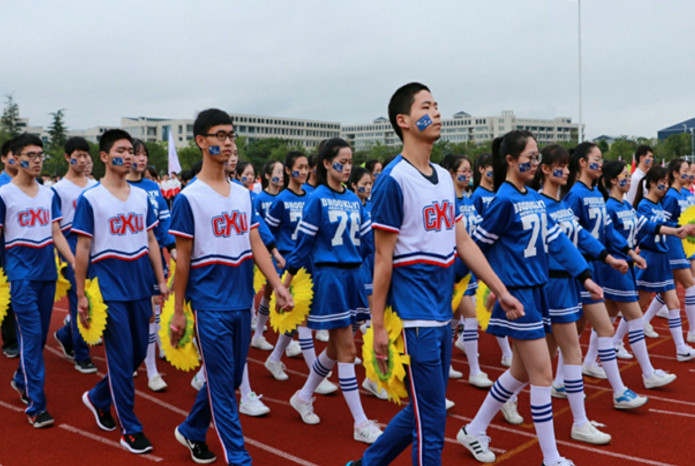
x=619, y=289
x=284, y=216
x=658, y=277
x=514, y=234
x=330, y=236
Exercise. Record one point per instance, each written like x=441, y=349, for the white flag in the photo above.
x=174, y=165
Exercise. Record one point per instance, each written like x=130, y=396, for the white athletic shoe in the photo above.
x=454, y=374
x=685, y=354
x=510, y=412
x=261, y=343
x=663, y=313
x=448, y=404
x=156, y=383
x=588, y=433
x=558, y=391
x=358, y=361
x=594, y=370
x=373, y=388
x=621, y=352
x=322, y=335
x=459, y=344
x=477, y=445
x=251, y=405
x=305, y=409
x=691, y=337
x=293, y=349
x=506, y=361
x=326, y=387
x=561, y=462
x=658, y=378
x=367, y=432
x=197, y=383
x=276, y=368
x=649, y=331
x=480, y=380
x=628, y=400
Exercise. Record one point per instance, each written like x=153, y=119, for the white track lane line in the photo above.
x=100, y=439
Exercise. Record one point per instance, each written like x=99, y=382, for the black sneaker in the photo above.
x=68, y=353
x=136, y=443
x=22, y=394
x=43, y=419
x=199, y=450
x=11, y=352
x=86, y=366
x=104, y=419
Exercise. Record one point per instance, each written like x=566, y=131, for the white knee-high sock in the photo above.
x=606, y=353
x=676, y=328
x=348, y=385
x=280, y=346
x=592, y=350
x=245, y=387
x=542, y=413
x=574, y=385
x=560, y=371
x=319, y=371
x=470, y=343
x=653, y=308
x=306, y=342
x=499, y=394
x=201, y=374
x=150, y=357
x=503, y=343
x=262, y=317
x=639, y=346
x=690, y=308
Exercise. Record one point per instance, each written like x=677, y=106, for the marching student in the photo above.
x=10, y=347
x=375, y=168
x=311, y=183
x=330, y=240
x=215, y=226
x=67, y=191
x=30, y=222
x=644, y=155
x=115, y=223
x=417, y=233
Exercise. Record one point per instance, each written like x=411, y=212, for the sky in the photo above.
x=341, y=61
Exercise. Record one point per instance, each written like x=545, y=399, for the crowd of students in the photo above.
x=559, y=237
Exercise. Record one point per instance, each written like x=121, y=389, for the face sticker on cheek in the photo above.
x=661, y=187
x=275, y=179
x=524, y=167
x=594, y=166
x=489, y=173
x=24, y=163
x=684, y=177
x=622, y=183
x=338, y=167
x=461, y=178
x=647, y=162
x=423, y=122
x=117, y=161
x=558, y=173
x=73, y=161
x=10, y=161
x=361, y=189
x=244, y=179
x=214, y=150
x=295, y=173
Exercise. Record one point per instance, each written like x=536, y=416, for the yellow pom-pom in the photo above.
x=688, y=217
x=258, y=279
x=303, y=293
x=392, y=380
x=482, y=313
x=172, y=269
x=4, y=295
x=185, y=355
x=62, y=284
x=459, y=289
x=97, y=313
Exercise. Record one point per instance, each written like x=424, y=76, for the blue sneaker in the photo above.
x=628, y=400
x=558, y=391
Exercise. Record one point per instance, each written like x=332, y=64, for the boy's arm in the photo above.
x=156, y=261
x=62, y=244
x=184, y=246
x=385, y=243
x=84, y=245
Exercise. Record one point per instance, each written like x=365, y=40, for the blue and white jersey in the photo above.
x=331, y=232
x=221, y=269
x=283, y=218
x=590, y=208
x=686, y=192
x=481, y=198
x=4, y=178
x=67, y=193
x=161, y=210
x=27, y=226
x=675, y=202
x=422, y=211
x=654, y=212
x=263, y=201
x=263, y=230
x=580, y=238
x=119, y=241
x=628, y=223
x=469, y=214
x=308, y=188
x=516, y=235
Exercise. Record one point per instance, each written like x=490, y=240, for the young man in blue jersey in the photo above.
x=115, y=225
x=416, y=235
x=136, y=177
x=216, y=229
x=29, y=220
x=10, y=348
x=67, y=191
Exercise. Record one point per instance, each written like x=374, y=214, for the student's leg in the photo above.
x=470, y=334
x=70, y=333
x=685, y=278
x=632, y=314
x=9, y=334
x=674, y=320
x=597, y=315
x=565, y=335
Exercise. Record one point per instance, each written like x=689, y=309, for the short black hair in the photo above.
x=356, y=175
x=109, y=138
x=76, y=143
x=24, y=140
x=209, y=118
x=6, y=147
x=641, y=151
x=329, y=151
x=137, y=144
x=371, y=163
x=401, y=101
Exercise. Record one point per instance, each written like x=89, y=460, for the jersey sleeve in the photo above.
x=366, y=234
x=387, y=206
x=57, y=196
x=182, y=222
x=56, y=214
x=562, y=249
x=671, y=208
x=494, y=223
x=164, y=216
x=274, y=215
x=614, y=238
x=587, y=244
x=83, y=223
x=306, y=235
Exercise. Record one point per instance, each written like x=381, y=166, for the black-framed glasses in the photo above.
x=535, y=158
x=223, y=135
x=33, y=155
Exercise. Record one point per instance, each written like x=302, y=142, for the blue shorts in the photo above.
x=460, y=269
x=618, y=286
x=339, y=298
x=676, y=253
x=564, y=300
x=596, y=276
x=657, y=276
x=472, y=286
x=533, y=325
x=367, y=274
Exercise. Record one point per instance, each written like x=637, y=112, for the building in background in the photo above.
x=306, y=133
x=687, y=126
x=92, y=134
x=157, y=129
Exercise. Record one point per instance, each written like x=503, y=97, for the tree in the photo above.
x=10, y=117
x=621, y=149
x=58, y=130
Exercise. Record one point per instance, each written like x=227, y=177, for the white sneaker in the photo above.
x=621, y=352
x=251, y=405
x=691, y=337
x=459, y=344
x=649, y=331
x=561, y=462
x=454, y=374
x=293, y=349
x=254, y=318
x=628, y=400
x=197, y=383
x=448, y=404
x=326, y=387
x=322, y=335
x=510, y=412
x=261, y=343
x=156, y=383
x=658, y=378
x=358, y=361
x=558, y=391
x=305, y=409
x=506, y=361
x=594, y=370
x=477, y=445
x=588, y=433
x=685, y=354
x=367, y=432
x=373, y=388
x=663, y=313
x=276, y=368
x=480, y=380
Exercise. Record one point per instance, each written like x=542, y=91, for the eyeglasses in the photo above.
x=223, y=135
x=536, y=158
x=33, y=155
